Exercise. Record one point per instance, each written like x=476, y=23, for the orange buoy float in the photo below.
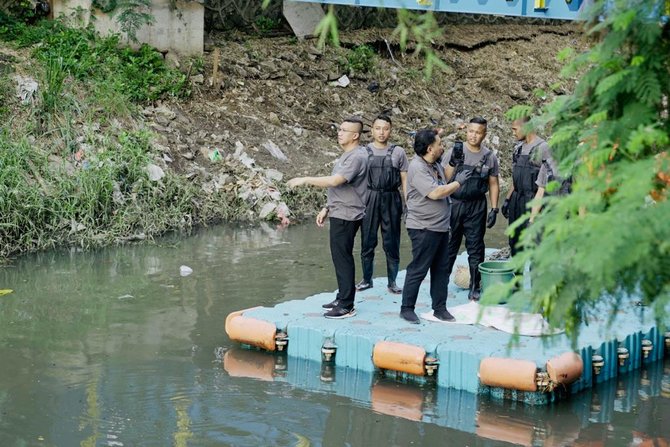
x=399, y=357
x=565, y=368
x=251, y=331
x=508, y=373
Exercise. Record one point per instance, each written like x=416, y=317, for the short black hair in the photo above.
x=384, y=117
x=355, y=120
x=479, y=120
x=423, y=139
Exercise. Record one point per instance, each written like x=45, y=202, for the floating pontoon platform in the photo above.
x=446, y=407
x=469, y=357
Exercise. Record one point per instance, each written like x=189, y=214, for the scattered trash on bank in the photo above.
x=154, y=172
x=26, y=89
x=343, y=81
x=275, y=151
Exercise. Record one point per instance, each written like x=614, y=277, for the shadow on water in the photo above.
x=115, y=348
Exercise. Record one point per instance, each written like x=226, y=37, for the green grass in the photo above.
x=46, y=204
x=86, y=81
x=142, y=75
x=90, y=93
x=266, y=25
x=6, y=91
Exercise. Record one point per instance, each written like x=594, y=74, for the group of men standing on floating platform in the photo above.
x=444, y=201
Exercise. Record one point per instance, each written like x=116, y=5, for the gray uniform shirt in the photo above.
x=398, y=156
x=424, y=213
x=347, y=201
x=542, y=151
x=543, y=175
x=491, y=167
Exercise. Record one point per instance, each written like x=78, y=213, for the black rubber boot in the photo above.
x=368, y=266
x=475, y=284
x=392, y=272
x=443, y=315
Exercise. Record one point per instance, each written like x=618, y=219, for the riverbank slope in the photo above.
x=92, y=160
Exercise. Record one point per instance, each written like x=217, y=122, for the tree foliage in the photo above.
x=610, y=238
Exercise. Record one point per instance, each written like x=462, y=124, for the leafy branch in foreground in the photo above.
x=422, y=29
x=610, y=238
x=327, y=28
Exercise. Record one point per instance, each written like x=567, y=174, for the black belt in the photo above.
x=383, y=189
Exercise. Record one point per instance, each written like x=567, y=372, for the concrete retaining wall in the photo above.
x=180, y=30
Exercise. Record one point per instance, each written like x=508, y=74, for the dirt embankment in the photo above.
x=280, y=96
x=273, y=110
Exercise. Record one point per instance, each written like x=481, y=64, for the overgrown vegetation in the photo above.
x=24, y=10
x=266, y=25
x=110, y=198
x=132, y=16
x=6, y=89
x=141, y=75
x=67, y=176
x=610, y=238
x=419, y=28
x=75, y=163
x=361, y=59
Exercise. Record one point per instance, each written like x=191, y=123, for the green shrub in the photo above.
x=19, y=11
x=102, y=201
x=141, y=75
x=361, y=59
x=265, y=25
x=22, y=34
x=6, y=91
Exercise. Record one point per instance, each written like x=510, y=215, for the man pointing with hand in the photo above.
x=347, y=189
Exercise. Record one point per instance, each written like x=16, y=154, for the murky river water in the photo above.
x=115, y=348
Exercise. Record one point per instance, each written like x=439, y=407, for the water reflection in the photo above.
x=115, y=348
x=621, y=412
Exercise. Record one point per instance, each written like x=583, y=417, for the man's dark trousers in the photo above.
x=429, y=252
x=342, y=235
x=384, y=209
x=468, y=218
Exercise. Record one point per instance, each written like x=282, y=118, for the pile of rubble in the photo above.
x=222, y=170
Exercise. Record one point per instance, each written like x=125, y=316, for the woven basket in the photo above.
x=462, y=276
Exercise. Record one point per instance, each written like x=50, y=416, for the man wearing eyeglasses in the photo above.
x=428, y=214
x=347, y=190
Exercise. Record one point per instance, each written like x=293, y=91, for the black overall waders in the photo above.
x=524, y=174
x=468, y=218
x=384, y=208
